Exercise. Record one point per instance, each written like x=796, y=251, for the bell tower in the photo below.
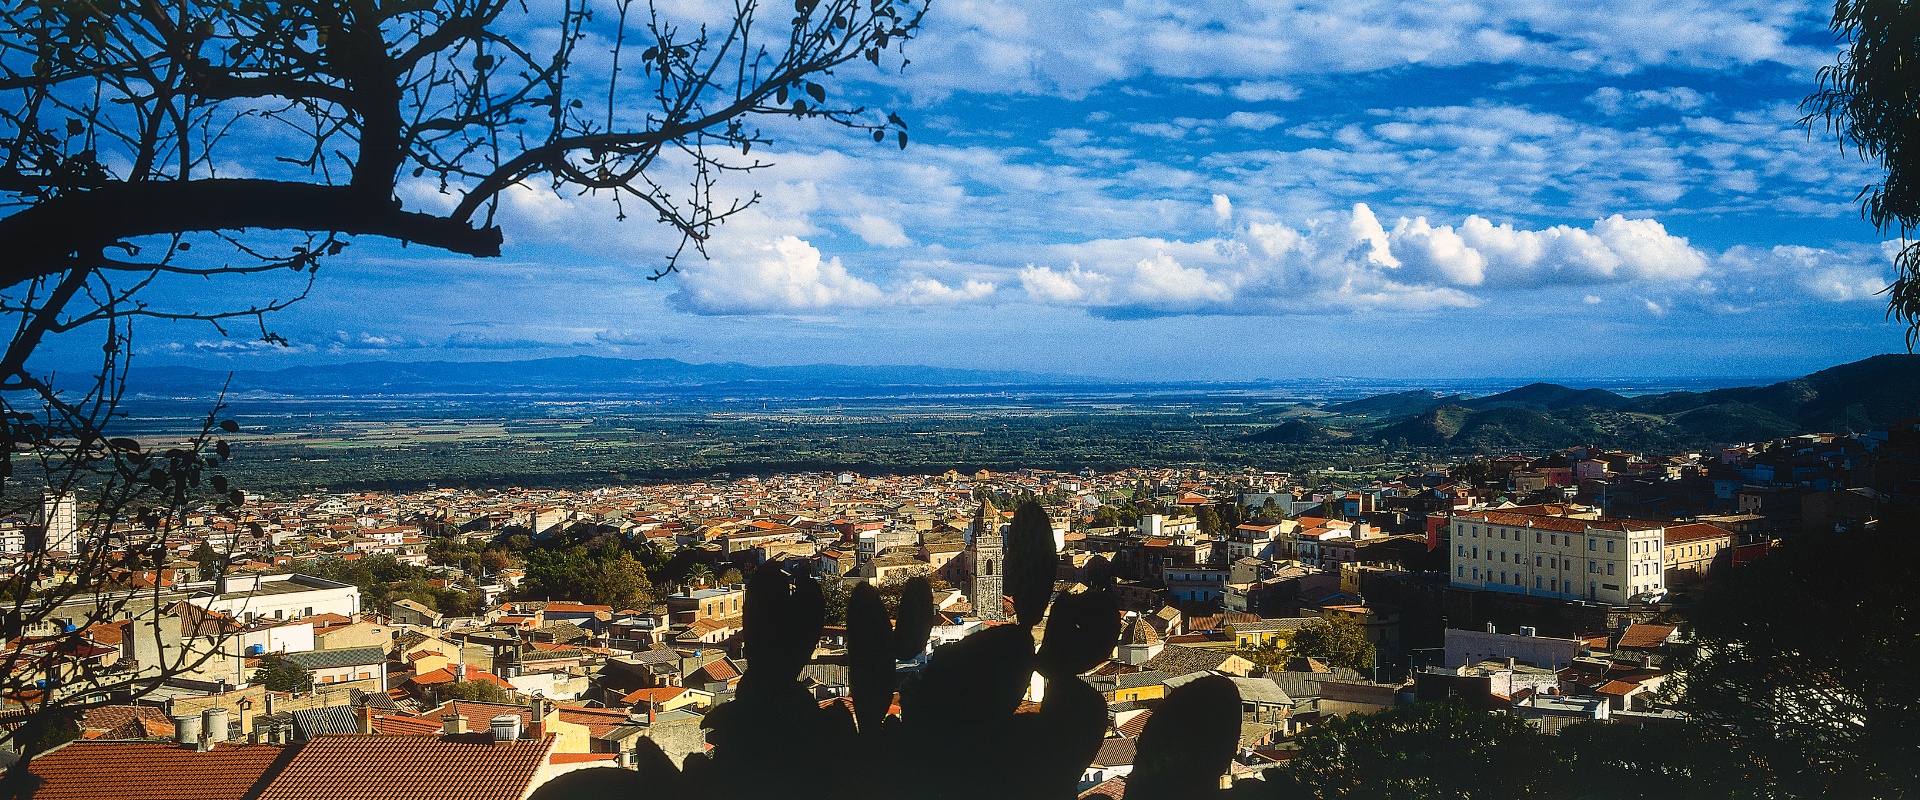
x=986, y=589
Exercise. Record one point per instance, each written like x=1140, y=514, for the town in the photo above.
x=500, y=639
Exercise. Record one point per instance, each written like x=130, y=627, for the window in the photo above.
x=1463, y=551
x=1536, y=537
x=1503, y=556
x=1593, y=566
x=1593, y=544
x=1609, y=568
x=1554, y=584
x=1476, y=552
x=1462, y=571
x=1536, y=581
x=1476, y=573
x=1503, y=576
x=1609, y=545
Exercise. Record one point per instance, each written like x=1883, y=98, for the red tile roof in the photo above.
x=658, y=694
x=126, y=722
x=1696, y=531
x=101, y=770
x=353, y=767
x=404, y=725
x=1113, y=788
x=1645, y=637
x=580, y=758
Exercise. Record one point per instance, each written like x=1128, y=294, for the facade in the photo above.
x=1692, y=550
x=1600, y=560
x=251, y=597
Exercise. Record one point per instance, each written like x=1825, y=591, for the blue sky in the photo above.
x=1216, y=190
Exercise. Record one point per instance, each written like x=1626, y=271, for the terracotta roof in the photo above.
x=598, y=721
x=353, y=767
x=1620, y=688
x=1116, y=752
x=1112, y=788
x=1695, y=531
x=1645, y=637
x=716, y=670
x=1134, y=726
x=659, y=694
x=580, y=758
x=101, y=770
x=404, y=725
x=126, y=722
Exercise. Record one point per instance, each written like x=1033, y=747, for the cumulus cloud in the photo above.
x=1350, y=260
x=787, y=274
x=1260, y=91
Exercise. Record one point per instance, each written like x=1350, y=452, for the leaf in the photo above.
x=879, y=136
x=799, y=106
x=75, y=127
x=818, y=92
x=229, y=426
x=237, y=497
x=220, y=484
x=896, y=121
x=903, y=139
x=482, y=62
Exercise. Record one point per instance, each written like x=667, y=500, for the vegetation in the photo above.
x=1031, y=562
x=1338, y=640
x=477, y=691
x=383, y=579
x=281, y=675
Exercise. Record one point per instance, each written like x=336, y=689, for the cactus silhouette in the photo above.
x=961, y=732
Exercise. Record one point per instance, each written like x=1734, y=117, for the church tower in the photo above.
x=988, y=564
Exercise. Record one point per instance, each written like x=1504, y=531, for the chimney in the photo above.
x=1490, y=628
x=1510, y=663
x=506, y=727
x=538, y=729
x=455, y=724
x=213, y=725
x=186, y=730
x=363, y=718
x=652, y=716
x=269, y=703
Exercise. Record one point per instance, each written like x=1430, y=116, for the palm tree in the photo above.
x=699, y=575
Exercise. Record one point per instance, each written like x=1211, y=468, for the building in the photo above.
x=1540, y=555
x=1472, y=647
x=984, y=589
x=250, y=597
x=343, y=666
x=1696, y=550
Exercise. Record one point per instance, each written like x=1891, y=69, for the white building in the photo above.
x=251, y=597
x=1602, y=560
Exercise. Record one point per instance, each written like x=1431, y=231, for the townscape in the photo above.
x=496, y=640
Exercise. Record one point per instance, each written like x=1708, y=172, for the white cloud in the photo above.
x=1071, y=48
x=1260, y=91
x=1222, y=208
x=786, y=275
x=1253, y=120
x=1610, y=100
x=1836, y=276
x=878, y=230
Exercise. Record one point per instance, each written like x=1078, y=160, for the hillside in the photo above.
x=1298, y=431
x=1847, y=398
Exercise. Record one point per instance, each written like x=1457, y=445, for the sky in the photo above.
x=1219, y=190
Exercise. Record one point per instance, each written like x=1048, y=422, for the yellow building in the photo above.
x=1692, y=550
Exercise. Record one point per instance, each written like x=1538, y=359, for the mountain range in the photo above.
x=1847, y=398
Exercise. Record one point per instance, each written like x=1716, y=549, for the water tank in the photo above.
x=186, y=729
x=256, y=649
x=506, y=727
x=213, y=722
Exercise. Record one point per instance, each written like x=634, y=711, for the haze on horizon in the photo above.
x=1225, y=191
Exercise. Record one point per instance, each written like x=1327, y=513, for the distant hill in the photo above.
x=577, y=373
x=1550, y=397
x=1847, y=398
x=1298, y=431
x=1393, y=405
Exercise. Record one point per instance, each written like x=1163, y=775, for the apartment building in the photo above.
x=1602, y=560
